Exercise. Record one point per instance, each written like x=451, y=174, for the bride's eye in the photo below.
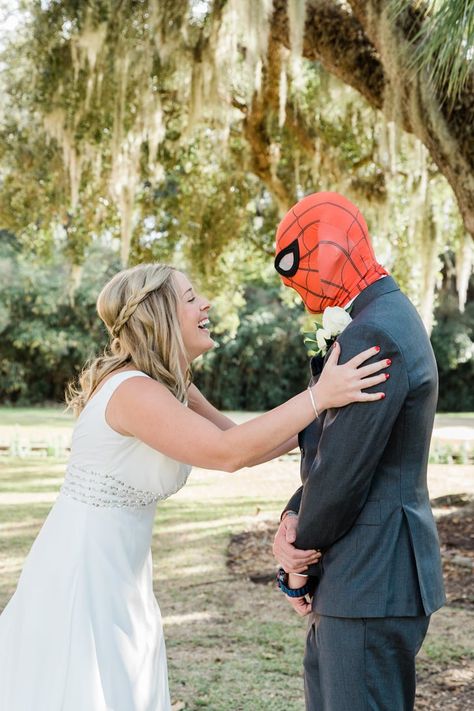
x=191, y=300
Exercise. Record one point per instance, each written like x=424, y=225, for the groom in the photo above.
x=364, y=500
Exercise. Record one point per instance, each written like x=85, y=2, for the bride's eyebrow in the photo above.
x=190, y=289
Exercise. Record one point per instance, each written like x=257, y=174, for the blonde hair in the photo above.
x=139, y=307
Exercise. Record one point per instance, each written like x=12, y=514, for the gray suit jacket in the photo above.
x=364, y=499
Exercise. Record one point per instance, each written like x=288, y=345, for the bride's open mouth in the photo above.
x=202, y=325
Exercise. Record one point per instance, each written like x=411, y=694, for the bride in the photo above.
x=83, y=630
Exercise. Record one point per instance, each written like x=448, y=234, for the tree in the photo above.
x=122, y=97
x=369, y=45
x=45, y=339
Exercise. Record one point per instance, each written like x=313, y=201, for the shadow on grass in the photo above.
x=230, y=645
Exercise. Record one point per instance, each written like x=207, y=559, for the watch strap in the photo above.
x=282, y=579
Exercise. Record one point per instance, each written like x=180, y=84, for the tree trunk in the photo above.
x=364, y=48
x=264, y=108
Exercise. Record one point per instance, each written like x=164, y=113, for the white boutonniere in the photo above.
x=334, y=321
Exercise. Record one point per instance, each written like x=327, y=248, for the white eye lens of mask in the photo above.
x=286, y=262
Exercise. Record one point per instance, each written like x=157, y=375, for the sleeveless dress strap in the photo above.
x=100, y=400
x=115, y=380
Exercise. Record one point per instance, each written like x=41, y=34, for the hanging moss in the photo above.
x=125, y=91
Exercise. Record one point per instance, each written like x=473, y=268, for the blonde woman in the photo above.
x=83, y=630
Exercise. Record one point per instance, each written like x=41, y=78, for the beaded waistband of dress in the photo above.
x=105, y=490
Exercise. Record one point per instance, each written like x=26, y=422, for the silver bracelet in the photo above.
x=312, y=401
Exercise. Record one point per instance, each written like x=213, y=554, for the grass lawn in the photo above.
x=53, y=416
x=232, y=646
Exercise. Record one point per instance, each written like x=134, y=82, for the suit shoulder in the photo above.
x=368, y=332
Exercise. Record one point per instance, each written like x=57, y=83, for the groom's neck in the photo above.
x=351, y=301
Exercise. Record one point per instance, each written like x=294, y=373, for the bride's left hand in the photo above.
x=339, y=385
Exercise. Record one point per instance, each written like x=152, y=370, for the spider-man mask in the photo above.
x=323, y=251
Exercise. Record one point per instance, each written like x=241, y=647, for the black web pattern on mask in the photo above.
x=327, y=300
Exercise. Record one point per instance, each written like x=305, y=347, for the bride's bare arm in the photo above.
x=275, y=452
x=200, y=404
x=147, y=410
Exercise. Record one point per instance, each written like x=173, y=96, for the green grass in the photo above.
x=53, y=416
x=56, y=416
x=443, y=651
x=231, y=645
x=454, y=415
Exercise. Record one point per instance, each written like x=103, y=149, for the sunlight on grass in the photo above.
x=11, y=566
x=231, y=644
x=442, y=651
x=192, y=617
x=51, y=417
x=210, y=525
x=455, y=415
x=218, y=629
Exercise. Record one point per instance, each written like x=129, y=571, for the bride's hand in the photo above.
x=339, y=385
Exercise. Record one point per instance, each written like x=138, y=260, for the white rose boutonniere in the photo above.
x=334, y=321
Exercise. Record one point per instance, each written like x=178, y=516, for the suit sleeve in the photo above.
x=295, y=502
x=352, y=443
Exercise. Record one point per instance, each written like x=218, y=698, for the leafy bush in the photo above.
x=264, y=364
x=453, y=344
x=45, y=336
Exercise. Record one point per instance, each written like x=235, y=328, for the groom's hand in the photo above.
x=290, y=558
x=301, y=605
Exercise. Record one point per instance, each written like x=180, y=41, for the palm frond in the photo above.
x=444, y=41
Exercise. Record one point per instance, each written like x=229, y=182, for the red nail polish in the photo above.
x=377, y=348
x=389, y=362
x=387, y=375
x=382, y=396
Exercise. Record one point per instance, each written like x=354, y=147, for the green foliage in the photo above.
x=451, y=454
x=85, y=82
x=443, y=38
x=260, y=359
x=439, y=650
x=46, y=339
x=453, y=343
x=265, y=363
x=101, y=134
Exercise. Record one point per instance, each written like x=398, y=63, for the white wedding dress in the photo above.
x=83, y=630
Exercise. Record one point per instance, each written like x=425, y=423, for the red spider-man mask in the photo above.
x=323, y=251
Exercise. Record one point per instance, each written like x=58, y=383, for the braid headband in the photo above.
x=128, y=310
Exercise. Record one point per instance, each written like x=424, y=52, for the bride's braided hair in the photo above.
x=139, y=309
x=128, y=310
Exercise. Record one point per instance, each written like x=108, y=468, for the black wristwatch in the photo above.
x=282, y=580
